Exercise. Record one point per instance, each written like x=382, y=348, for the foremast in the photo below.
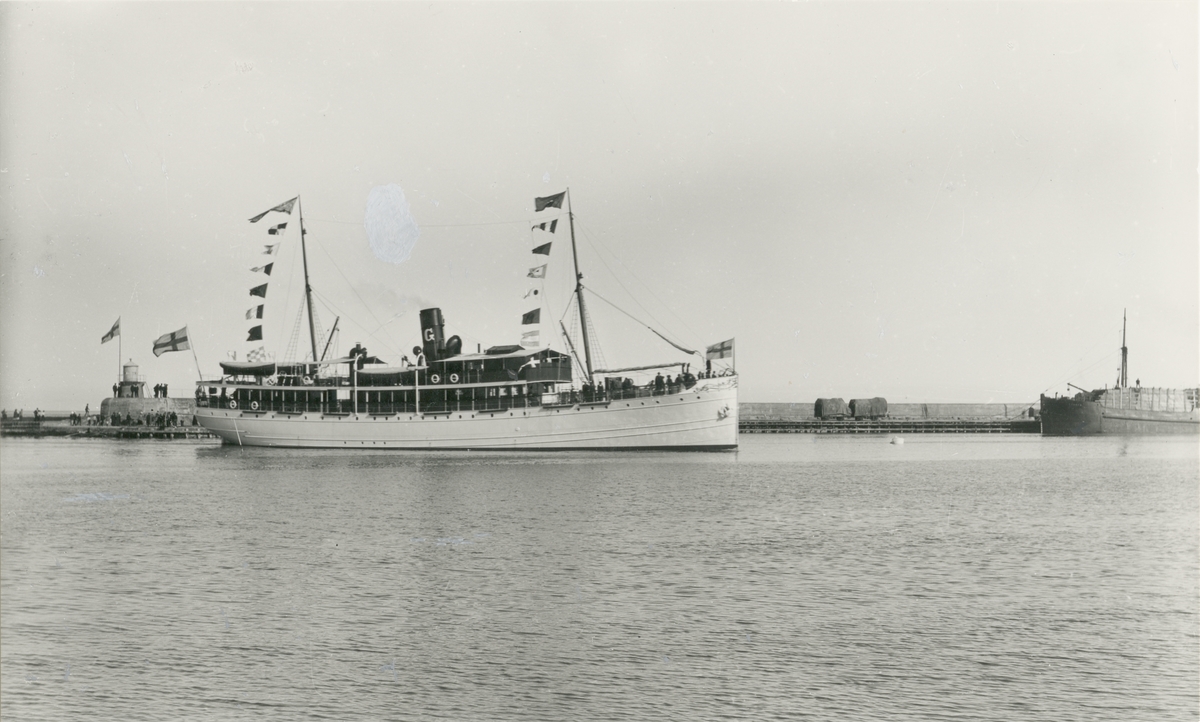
x=312, y=330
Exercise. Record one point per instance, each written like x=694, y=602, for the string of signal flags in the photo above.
x=180, y=341
x=255, y=313
x=533, y=317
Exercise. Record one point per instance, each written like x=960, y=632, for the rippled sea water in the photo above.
x=803, y=577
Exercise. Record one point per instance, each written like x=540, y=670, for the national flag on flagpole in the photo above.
x=255, y=312
x=270, y=249
x=554, y=201
x=543, y=249
x=719, y=350
x=259, y=291
x=537, y=272
x=276, y=230
x=285, y=207
x=114, y=331
x=174, y=341
x=265, y=269
x=534, y=316
x=547, y=226
x=255, y=334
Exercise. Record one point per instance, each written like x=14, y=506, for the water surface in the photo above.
x=803, y=577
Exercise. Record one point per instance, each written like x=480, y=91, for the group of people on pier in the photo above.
x=19, y=415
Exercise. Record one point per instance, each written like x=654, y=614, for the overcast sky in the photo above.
x=926, y=202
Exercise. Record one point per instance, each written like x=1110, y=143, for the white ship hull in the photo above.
x=702, y=417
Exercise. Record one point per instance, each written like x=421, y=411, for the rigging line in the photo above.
x=1074, y=374
x=1082, y=358
x=618, y=278
x=627, y=291
x=331, y=306
x=347, y=280
x=567, y=309
x=656, y=333
x=447, y=225
x=287, y=293
x=587, y=237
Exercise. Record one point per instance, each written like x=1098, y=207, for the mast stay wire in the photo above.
x=1082, y=356
x=378, y=324
x=351, y=285
x=333, y=308
x=1071, y=374
x=589, y=238
x=656, y=333
x=451, y=225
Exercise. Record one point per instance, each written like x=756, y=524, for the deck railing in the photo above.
x=263, y=399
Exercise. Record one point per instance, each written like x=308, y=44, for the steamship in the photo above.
x=1122, y=410
x=504, y=397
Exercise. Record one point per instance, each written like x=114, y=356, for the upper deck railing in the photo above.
x=333, y=395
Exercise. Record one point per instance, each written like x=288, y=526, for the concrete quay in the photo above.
x=41, y=428
x=798, y=418
x=753, y=418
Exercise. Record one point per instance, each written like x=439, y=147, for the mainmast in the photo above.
x=1123, y=380
x=587, y=347
x=312, y=331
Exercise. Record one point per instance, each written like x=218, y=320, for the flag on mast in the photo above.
x=285, y=207
x=537, y=272
x=174, y=341
x=114, y=331
x=719, y=350
x=554, y=201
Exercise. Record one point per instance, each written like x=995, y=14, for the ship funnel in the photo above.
x=432, y=342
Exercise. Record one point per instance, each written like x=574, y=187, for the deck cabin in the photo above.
x=499, y=379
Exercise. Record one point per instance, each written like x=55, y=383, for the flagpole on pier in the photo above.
x=194, y=358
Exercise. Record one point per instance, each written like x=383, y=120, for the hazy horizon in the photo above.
x=939, y=202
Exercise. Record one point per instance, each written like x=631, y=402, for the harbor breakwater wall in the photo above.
x=799, y=411
x=184, y=408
